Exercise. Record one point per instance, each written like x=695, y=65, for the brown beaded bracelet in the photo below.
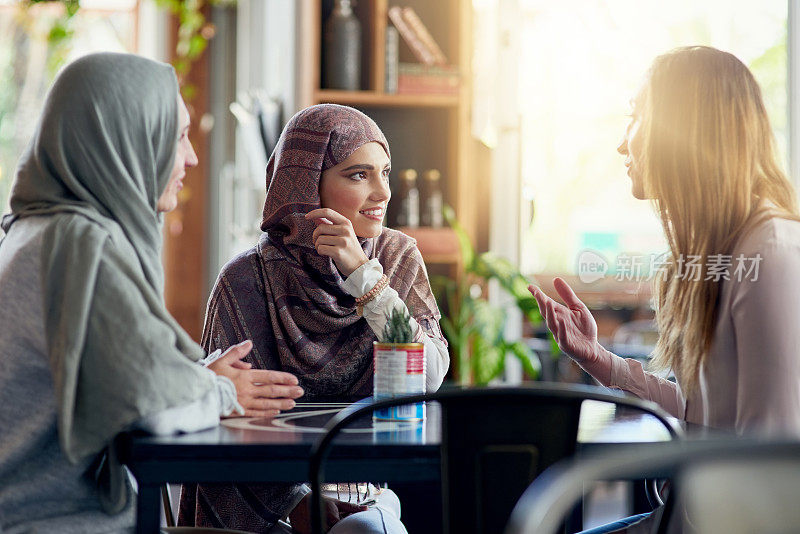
x=376, y=290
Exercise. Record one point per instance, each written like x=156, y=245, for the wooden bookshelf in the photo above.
x=424, y=130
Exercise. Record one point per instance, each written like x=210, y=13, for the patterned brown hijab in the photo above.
x=289, y=299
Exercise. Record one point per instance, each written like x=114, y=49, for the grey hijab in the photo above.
x=99, y=160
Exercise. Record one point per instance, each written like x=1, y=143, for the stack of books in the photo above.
x=432, y=75
x=414, y=78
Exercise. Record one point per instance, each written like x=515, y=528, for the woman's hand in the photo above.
x=261, y=393
x=300, y=516
x=573, y=326
x=334, y=237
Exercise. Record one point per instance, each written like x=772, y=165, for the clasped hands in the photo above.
x=262, y=393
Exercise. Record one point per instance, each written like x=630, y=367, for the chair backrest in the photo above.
x=732, y=486
x=495, y=441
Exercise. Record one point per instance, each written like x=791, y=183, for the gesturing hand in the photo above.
x=573, y=326
x=334, y=237
x=300, y=516
x=261, y=393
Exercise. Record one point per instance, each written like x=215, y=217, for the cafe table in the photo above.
x=276, y=449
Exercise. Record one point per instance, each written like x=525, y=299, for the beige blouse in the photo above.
x=751, y=380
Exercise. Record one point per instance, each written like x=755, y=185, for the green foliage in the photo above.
x=474, y=328
x=398, y=327
x=60, y=34
x=489, y=266
x=194, y=33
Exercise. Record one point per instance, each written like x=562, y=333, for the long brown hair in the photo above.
x=708, y=162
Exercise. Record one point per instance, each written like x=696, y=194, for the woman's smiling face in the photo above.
x=358, y=188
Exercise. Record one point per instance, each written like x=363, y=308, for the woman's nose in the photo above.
x=381, y=191
x=191, y=158
x=622, y=148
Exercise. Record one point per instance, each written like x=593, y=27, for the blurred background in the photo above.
x=508, y=111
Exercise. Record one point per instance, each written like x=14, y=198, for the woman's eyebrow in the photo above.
x=364, y=166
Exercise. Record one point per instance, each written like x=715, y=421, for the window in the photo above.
x=580, y=63
x=28, y=64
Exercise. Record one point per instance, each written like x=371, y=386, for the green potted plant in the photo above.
x=474, y=328
x=399, y=368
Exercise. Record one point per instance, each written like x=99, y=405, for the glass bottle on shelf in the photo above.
x=342, y=48
x=409, y=199
x=432, y=199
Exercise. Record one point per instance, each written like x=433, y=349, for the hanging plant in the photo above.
x=194, y=32
x=59, y=33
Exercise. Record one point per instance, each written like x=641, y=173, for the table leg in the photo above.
x=421, y=505
x=148, y=516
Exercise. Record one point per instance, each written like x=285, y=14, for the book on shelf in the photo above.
x=425, y=70
x=391, y=59
x=414, y=42
x=414, y=78
x=415, y=23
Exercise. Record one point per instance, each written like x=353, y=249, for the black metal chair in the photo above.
x=495, y=441
x=732, y=486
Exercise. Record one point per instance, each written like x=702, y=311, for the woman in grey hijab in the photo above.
x=87, y=347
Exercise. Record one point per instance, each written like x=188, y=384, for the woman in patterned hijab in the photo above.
x=294, y=294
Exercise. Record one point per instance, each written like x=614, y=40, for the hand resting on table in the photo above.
x=262, y=393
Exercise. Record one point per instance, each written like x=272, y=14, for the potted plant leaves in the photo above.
x=475, y=329
x=399, y=368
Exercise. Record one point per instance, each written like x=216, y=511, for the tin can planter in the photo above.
x=399, y=371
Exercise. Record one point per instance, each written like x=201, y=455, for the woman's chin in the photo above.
x=637, y=190
x=370, y=230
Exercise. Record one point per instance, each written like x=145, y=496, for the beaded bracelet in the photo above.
x=376, y=290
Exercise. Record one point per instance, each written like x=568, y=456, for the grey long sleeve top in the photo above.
x=751, y=380
x=39, y=489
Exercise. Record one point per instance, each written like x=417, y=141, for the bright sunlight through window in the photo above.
x=582, y=61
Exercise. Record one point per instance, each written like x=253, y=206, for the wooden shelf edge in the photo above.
x=437, y=245
x=374, y=98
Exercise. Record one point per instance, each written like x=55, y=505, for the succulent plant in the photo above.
x=398, y=327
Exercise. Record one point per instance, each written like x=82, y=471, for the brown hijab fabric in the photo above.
x=289, y=300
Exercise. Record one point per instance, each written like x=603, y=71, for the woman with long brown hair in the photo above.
x=699, y=145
